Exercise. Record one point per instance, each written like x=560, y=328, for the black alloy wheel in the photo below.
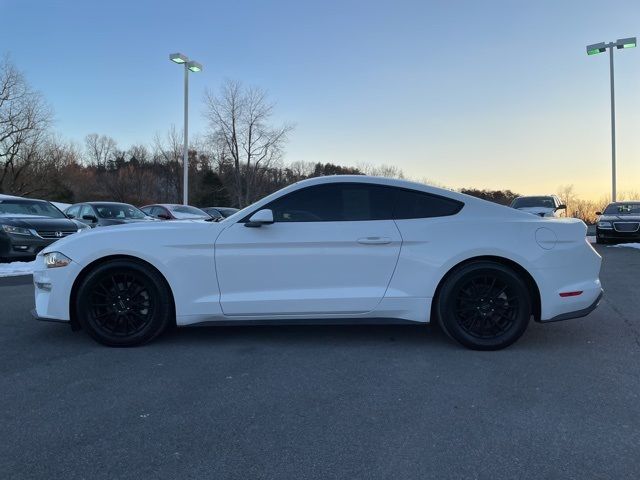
x=484, y=306
x=124, y=303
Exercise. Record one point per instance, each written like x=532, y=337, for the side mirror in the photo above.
x=261, y=217
x=69, y=215
x=598, y=213
x=90, y=218
x=164, y=216
x=561, y=207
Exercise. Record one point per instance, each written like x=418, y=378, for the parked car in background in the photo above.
x=543, y=206
x=27, y=226
x=102, y=214
x=220, y=212
x=325, y=250
x=171, y=211
x=620, y=222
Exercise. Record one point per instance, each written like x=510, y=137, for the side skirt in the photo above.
x=307, y=321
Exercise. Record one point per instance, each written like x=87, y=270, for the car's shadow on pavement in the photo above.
x=307, y=334
x=429, y=336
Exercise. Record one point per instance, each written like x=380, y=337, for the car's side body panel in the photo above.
x=306, y=268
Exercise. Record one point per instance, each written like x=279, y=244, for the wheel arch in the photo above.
x=75, y=325
x=532, y=286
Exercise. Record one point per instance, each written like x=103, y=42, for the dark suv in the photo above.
x=27, y=226
x=620, y=222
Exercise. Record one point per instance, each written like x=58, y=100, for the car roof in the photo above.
x=537, y=196
x=13, y=197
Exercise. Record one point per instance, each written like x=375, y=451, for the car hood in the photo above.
x=620, y=218
x=134, y=237
x=124, y=221
x=538, y=210
x=40, y=223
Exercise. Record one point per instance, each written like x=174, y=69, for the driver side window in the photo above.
x=336, y=202
x=86, y=210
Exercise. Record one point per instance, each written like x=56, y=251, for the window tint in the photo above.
x=73, y=211
x=414, y=204
x=87, y=210
x=529, y=202
x=334, y=203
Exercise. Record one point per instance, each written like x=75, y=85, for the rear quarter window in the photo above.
x=413, y=204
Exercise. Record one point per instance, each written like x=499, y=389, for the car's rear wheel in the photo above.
x=484, y=306
x=123, y=303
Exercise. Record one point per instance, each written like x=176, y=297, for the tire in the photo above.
x=124, y=303
x=484, y=306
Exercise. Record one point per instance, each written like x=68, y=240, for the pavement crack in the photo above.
x=626, y=320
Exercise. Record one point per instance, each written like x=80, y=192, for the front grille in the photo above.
x=55, y=233
x=626, y=226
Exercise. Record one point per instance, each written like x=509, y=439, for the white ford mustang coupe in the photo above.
x=340, y=249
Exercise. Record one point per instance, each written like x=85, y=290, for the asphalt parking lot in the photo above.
x=326, y=402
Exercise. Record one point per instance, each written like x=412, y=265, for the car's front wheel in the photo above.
x=123, y=303
x=484, y=306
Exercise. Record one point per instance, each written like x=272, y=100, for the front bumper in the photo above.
x=22, y=247
x=53, y=290
x=34, y=314
x=615, y=236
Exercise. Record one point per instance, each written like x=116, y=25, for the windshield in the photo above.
x=227, y=211
x=529, y=202
x=623, y=209
x=120, y=211
x=28, y=208
x=185, y=211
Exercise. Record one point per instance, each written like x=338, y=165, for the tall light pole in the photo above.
x=189, y=66
x=595, y=49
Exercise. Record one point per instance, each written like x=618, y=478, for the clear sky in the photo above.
x=477, y=93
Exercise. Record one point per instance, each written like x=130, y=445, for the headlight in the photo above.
x=605, y=225
x=55, y=260
x=16, y=230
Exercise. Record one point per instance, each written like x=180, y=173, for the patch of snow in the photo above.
x=628, y=245
x=16, y=268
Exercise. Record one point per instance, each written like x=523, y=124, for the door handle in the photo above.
x=374, y=240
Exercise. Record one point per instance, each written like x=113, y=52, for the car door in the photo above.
x=332, y=249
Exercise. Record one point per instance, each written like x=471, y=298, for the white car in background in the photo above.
x=335, y=249
x=543, y=206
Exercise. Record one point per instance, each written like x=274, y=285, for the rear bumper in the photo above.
x=577, y=313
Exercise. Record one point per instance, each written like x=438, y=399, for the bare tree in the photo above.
x=100, y=149
x=24, y=120
x=168, y=153
x=569, y=198
x=239, y=122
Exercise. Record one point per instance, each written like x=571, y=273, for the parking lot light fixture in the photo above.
x=194, y=66
x=595, y=49
x=626, y=43
x=178, y=58
x=189, y=66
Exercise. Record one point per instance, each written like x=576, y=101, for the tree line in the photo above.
x=238, y=160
